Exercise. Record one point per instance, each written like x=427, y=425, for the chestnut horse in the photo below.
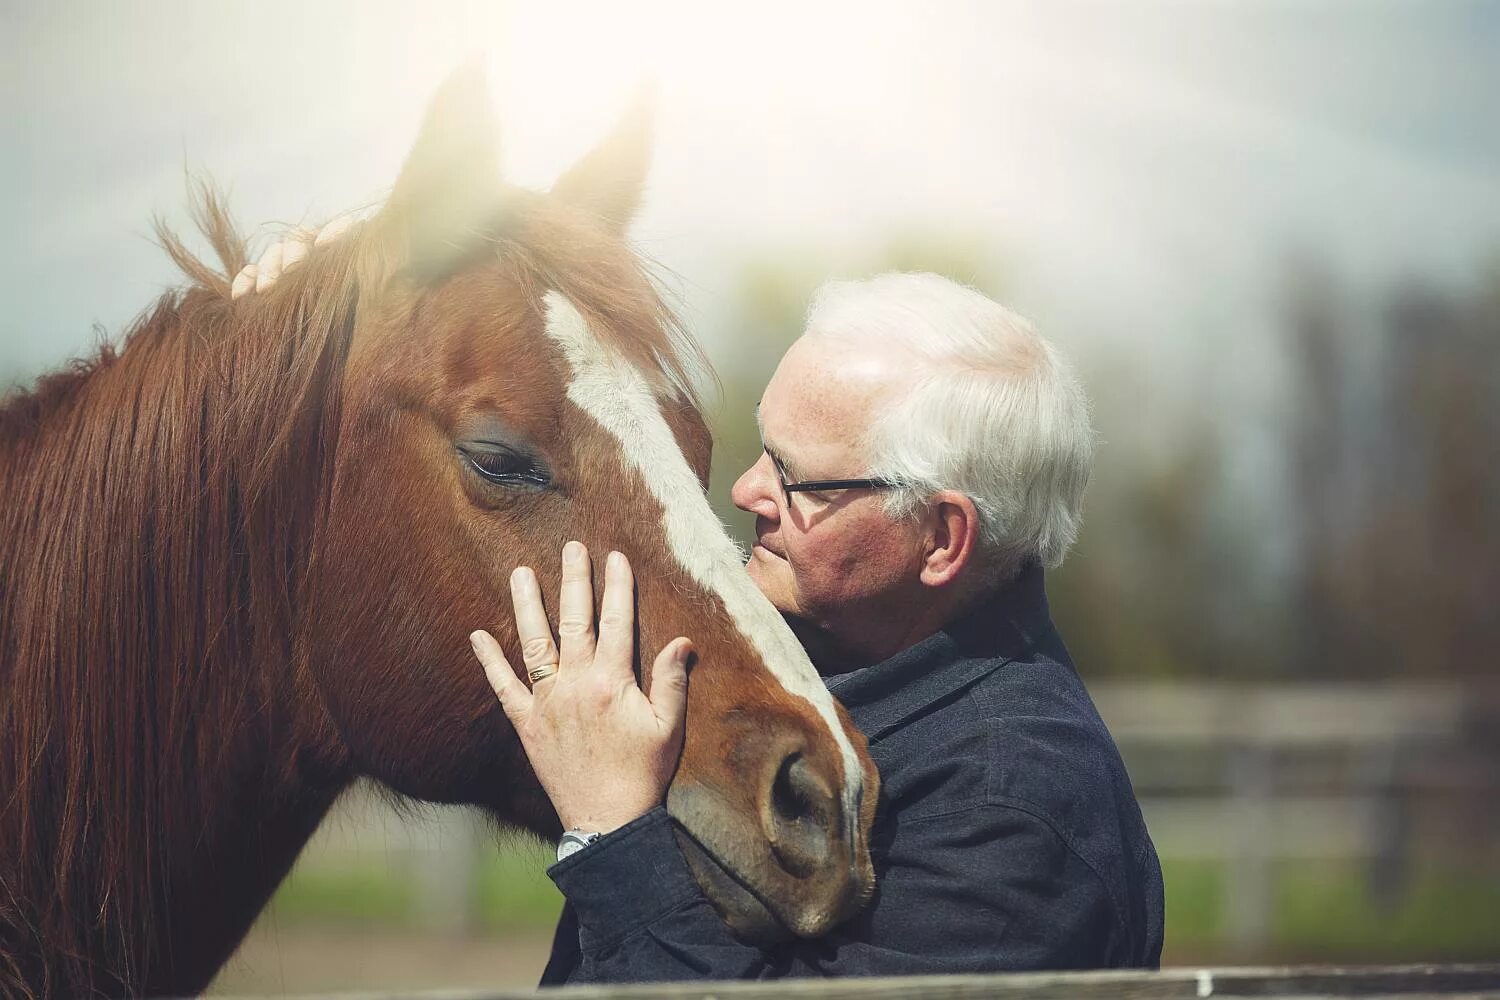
x=243, y=554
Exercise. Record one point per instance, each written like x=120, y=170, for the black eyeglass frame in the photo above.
x=826, y=485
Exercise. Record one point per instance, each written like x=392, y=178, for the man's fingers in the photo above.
x=268, y=268
x=575, y=606
x=244, y=282
x=617, y=615
x=514, y=697
x=295, y=247
x=669, y=684
x=283, y=255
x=333, y=229
x=538, y=651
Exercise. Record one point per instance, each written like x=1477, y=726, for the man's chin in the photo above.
x=760, y=564
x=768, y=572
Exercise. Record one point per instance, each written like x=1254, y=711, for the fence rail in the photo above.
x=1407, y=981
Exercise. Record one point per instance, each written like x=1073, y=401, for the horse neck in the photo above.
x=228, y=878
x=166, y=753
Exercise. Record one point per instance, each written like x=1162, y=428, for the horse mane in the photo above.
x=155, y=554
x=152, y=547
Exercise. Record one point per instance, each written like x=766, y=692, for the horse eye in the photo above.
x=507, y=468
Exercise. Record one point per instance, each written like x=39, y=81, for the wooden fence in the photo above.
x=1380, y=774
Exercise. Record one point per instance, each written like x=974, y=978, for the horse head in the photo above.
x=512, y=381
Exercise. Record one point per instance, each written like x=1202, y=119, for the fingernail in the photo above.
x=614, y=561
x=572, y=552
x=684, y=655
x=474, y=640
x=518, y=576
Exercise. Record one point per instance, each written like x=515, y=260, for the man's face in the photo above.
x=835, y=560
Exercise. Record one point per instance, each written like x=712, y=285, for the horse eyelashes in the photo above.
x=507, y=468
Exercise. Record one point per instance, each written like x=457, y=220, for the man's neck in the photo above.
x=838, y=650
x=837, y=647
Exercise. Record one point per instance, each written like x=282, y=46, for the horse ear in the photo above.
x=450, y=184
x=610, y=180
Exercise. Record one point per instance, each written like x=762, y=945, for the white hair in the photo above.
x=991, y=410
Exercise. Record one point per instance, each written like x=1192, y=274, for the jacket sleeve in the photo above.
x=635, y=914
x=988, y=888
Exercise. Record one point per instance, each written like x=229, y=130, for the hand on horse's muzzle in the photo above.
x=603, y=750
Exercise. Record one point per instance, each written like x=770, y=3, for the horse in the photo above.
x=243, y=552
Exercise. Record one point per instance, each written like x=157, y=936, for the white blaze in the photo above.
x=613, y=391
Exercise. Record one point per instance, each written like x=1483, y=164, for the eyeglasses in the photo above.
x=823, y=485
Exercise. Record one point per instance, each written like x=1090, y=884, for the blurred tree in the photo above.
x=1397, y=495
x=1140, y=594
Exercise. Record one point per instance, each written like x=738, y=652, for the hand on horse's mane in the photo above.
x=283, y=255
x=603, y=749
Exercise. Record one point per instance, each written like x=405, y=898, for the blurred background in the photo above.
x=1268, y=232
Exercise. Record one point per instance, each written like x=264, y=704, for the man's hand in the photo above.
x=601, y=749
x=284, y=255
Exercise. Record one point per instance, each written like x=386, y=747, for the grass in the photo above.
x=1326, y=912
x=512, y=890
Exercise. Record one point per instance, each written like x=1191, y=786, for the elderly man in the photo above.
x=925, y=458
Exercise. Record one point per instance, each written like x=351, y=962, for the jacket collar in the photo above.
x=1005, y=627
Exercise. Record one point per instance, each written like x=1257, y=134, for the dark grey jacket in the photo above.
x=1007, y=837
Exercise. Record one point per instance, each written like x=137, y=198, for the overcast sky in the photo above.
x=1144, y=168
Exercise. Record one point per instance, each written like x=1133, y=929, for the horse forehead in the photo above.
x=599, y=377
x=483, y=330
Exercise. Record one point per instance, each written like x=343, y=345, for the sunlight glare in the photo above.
x=565, y=71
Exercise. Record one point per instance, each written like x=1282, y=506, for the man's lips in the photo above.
x=759, y=544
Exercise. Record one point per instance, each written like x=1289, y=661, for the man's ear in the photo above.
x=951, y=540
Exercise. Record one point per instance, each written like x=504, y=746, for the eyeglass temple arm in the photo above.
x=820, y=485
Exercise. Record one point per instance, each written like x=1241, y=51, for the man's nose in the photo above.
x=757, y=488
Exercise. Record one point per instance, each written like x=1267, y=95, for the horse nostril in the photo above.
x=803, y=817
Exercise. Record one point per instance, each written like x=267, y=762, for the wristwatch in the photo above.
x=574, y=841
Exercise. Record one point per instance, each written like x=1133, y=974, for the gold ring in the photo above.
x=542, y=673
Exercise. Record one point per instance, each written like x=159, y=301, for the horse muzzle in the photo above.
x=785, y=854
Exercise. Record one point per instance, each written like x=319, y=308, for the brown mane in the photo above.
x=151, y=528
x=162, y=503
